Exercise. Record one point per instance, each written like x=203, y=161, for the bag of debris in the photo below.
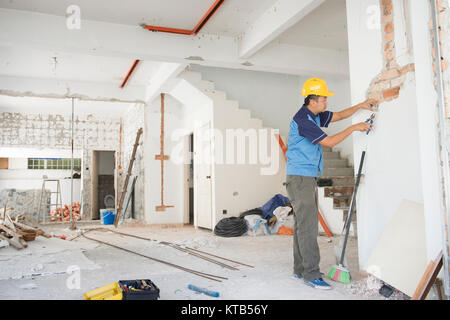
x=284, y=217
x=257, y=226
x=277, y=201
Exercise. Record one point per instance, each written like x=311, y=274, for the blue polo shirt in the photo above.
x=304, y=155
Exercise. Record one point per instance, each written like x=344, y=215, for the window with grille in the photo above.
x=54, y=163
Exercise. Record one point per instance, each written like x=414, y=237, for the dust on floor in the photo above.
x=61, y=269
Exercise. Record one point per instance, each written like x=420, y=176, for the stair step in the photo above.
x=332, y=155
x=326, y=149
x=191, y=76
x=342, y=202
x=205, y=85
x=338, y=191
x=341, y=181
x=244, y=113
x=335, y=163
x=230, y=105
x=256, y=123
x=216, y=95
x=338, y=172
x=346, y=215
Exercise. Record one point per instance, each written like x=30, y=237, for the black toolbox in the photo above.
x=143, y=289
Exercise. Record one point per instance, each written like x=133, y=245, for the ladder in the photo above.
x=127, y=178
x=56, y=205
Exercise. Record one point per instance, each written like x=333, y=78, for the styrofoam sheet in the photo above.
x=400, y=256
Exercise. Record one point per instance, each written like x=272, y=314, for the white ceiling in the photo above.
x=232, y=18
x=325, y=27
x=69, y=66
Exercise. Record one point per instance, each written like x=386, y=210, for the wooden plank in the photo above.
x=428, y=279
x=40, y=232
x=12, y=242
x=14, y=234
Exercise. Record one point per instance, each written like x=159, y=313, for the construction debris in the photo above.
x=17, y=234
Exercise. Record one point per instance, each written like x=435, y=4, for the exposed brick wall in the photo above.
x=387, y=85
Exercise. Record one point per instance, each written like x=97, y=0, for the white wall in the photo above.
x=275, y=98
x=427, y=126
x=179, y=120
x=392, y=168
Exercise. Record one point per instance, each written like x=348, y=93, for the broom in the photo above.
x=339, y=273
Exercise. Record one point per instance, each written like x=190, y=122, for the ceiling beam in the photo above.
x=18, y=29
x=273, y=22
x=165, y=73
x=49, y=32
x=53, y=88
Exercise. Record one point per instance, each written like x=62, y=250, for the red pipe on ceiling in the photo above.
x=194, y=31
x=197, y=28
x=130, y=72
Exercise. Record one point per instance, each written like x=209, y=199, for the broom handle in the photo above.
x=352, y=208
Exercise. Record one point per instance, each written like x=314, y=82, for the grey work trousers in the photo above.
x=302, y=192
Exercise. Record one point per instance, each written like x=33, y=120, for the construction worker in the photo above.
x=304, y=162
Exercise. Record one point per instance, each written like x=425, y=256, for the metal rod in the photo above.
x=167, y=243
x=444, y=173
x=198, y=273
x=172, y=245
x=247, y=265
x=199, y=255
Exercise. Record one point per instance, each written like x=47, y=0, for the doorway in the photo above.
x=103, y=182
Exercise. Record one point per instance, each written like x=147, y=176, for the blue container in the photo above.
x=108, y=217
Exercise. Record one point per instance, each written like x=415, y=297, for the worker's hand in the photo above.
x=369, y=104
x=363, y=127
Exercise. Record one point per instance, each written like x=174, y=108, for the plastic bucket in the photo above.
x=107, y=216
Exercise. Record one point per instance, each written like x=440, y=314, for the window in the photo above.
x=54, y=163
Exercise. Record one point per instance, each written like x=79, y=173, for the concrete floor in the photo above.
x=62, y=269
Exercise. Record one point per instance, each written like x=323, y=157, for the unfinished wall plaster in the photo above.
x=443, y=21
x=49, y=131
x=444, y=37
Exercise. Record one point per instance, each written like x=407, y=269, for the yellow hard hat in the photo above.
x=317, y=87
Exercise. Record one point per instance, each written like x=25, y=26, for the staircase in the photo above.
x=335, y=168
x=342, y=174
x=230, y=198
x=243, y=118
